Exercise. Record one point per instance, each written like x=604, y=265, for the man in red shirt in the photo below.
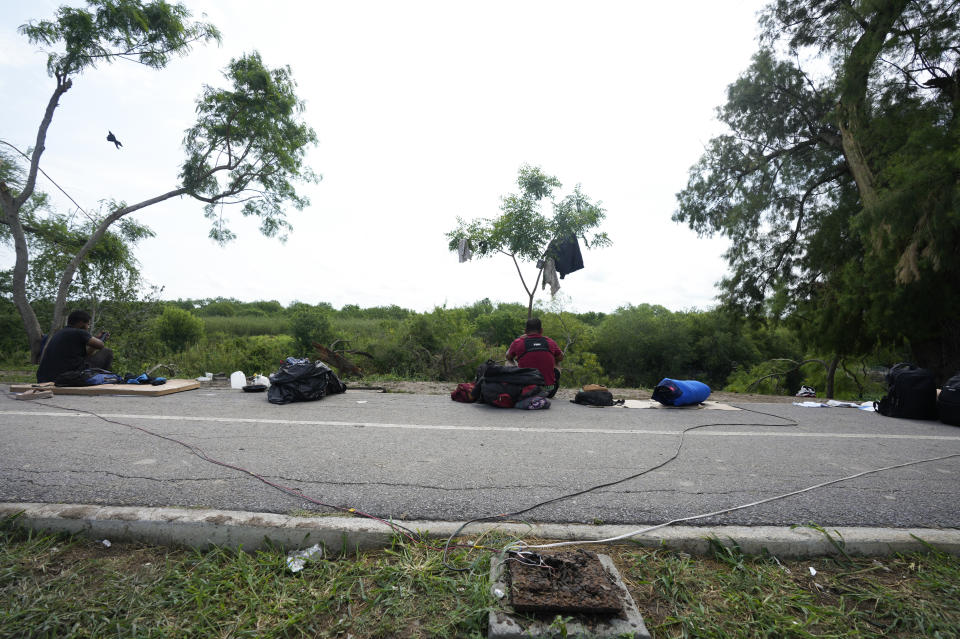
x=534, y=350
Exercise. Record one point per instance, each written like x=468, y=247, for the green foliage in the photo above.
x=643, y=344
x=437, y=345
x=13, y=341
x=136, y=590
x=218, y=309
x=579, y=368
x=148, y=33
x=110, y=271
x=840, y=190
x=310, y=324
x=502, y=326
x=176, y=328
x=247, y=147
x=783, y=376
x=254, y=132
x=254, y=354
x=246, y=325
x=271, y=307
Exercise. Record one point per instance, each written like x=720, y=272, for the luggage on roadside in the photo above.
x=948, y=403
x=300, y=380
x=675, y=392
x=504, y=386
x=464, y=392
x=599, y=396
x=911, y=393
x=87, y=377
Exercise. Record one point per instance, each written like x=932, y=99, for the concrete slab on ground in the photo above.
x=504, y=623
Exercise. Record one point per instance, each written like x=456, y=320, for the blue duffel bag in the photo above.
x=674, y=392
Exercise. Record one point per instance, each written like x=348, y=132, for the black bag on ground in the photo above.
x=948, y=404
x=593, y=398
x=300, y=380
x=911, y=393
x=74, y=378
x=506, y=385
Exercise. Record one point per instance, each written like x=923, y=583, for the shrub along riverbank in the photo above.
x=635, y=346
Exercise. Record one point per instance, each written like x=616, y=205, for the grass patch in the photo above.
x=733, y=595
x=66, y=586
x=18, y=376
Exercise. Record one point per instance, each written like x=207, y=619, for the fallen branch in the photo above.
x=331, y=358
x=787, y=372
x=174, y=371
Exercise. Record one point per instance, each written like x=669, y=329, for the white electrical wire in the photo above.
x=520, y=545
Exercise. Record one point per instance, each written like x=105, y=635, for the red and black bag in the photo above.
x=464, y=393
x=504, y=386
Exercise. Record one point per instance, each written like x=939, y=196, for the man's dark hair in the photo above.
x=76, y=317
x=534, y=325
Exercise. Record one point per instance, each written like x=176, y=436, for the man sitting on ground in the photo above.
x=73, y=349
x=534, y=350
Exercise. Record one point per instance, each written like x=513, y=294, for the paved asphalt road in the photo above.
x=425, y=457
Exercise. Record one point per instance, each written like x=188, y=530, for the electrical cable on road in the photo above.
x=512, y=515
x=294, y=492
x=518, y=548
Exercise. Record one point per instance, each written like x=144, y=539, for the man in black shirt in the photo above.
x=73, y=349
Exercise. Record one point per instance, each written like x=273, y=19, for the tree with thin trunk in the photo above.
x=524, y=233
x=246, y=148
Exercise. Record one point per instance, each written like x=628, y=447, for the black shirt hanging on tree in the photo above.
x=566, y=254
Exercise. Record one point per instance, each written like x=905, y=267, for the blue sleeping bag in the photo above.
x=674, y=392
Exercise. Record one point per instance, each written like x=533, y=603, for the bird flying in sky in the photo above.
x=112, y=138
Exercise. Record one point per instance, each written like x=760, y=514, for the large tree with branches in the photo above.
x=838, y=180
x=246, y=148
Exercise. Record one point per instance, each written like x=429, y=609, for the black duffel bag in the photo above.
x=504, y=386
x=300, y=380
x=948, y=404
x=911, y=393
x=594, y=398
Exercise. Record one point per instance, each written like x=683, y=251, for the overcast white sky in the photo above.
x=424, y=112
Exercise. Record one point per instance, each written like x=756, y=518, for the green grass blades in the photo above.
x=63, y=586
x=59, y=586
x=732, y=595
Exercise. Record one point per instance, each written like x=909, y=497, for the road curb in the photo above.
x=202, y=528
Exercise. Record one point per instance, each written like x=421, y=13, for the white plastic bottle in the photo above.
x=238, y=380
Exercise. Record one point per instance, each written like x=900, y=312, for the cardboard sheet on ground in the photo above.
x=651, y=403
x=172, y=386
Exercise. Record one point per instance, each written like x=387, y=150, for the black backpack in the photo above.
x=74, y=378
x=911, y=393
x=948, y=404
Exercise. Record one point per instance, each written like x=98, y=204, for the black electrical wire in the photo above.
x=416, y=537
x=294, y=492
x=790, y=423
x=406, y=532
